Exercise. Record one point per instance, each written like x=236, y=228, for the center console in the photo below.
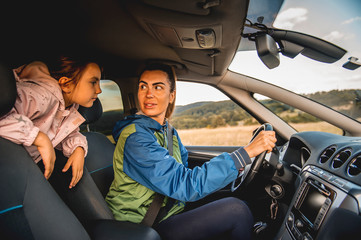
x=319, y=194
x=312, y=203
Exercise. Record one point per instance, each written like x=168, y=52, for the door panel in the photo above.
x=197, y=155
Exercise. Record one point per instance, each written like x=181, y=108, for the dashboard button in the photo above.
x=339, y=182
x=306, y=236
x=290, y=220
x=299, y=223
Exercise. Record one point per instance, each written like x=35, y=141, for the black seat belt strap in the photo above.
x=153, y=210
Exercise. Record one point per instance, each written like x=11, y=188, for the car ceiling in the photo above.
x=122, y=34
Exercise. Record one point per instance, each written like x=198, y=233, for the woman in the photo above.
x=143, y=167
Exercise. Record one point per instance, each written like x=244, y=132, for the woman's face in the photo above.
x=154, y=94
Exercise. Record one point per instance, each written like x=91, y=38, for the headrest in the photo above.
x=7, y=89
x=93, y=113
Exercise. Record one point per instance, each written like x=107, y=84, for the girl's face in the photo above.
x=154, y=94
x=86, y=91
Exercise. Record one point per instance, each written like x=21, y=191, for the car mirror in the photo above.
x=267, y=50
x=352, y=63
x=270, y=42
x=312, y=47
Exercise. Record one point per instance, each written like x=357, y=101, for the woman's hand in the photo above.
x=46, y=150
x=76, y=161
x=264, y=141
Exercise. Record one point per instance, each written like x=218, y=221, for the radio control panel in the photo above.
x=312, y=203
x=319, y=195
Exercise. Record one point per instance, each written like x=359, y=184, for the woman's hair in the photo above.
x=70, y=67
x=172, y=78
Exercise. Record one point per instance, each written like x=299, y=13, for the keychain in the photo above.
x=274, y=209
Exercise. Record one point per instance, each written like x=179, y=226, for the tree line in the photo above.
x=223, y=113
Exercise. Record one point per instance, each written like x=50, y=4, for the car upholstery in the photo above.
x=29, y=206
x=33, y=210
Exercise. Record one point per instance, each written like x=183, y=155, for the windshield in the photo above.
x=336, y=21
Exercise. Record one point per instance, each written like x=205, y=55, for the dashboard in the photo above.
x=327, y=202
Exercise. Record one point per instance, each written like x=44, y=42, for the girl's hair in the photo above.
x=70, y=67
x=172, y=78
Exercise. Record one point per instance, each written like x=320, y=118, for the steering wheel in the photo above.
x=247, y=175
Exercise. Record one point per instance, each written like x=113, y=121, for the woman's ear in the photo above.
x=172, y=97
x=64, y=83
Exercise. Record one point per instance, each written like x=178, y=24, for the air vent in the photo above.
x=355, y=166
x=305, y=155
x=341, y=158
x=327, y=154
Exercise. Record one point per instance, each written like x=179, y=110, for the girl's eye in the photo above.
x=94, y=83
x=142, y=87
x=158, y=87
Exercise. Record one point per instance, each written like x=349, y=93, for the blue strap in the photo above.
x=10, y=209
x=99, y=169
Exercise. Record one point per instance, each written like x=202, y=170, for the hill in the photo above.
x=222, y=113
x=181, y=109
x=335, y=97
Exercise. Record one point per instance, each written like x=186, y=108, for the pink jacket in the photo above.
x=40, y=106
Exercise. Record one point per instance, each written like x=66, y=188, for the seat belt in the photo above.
x=170, y=139
x=154, y=212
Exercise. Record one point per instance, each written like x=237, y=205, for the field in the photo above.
x=240, y=135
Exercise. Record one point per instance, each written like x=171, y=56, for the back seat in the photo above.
x=31, y=209
x=29, y=206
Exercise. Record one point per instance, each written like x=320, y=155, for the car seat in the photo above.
x=86, y=199
x=29, y=206
x=31, y=209
x=99, y=161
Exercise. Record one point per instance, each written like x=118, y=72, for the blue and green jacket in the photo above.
x=143, y=166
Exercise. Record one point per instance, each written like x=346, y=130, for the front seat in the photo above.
x=29, y=206
x=99, y=161
x=86, y=199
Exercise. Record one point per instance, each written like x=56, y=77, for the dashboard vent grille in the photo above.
x=327, y=154
x=341, y=158
x=355, y=166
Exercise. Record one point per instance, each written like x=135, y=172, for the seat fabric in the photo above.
x=29, y=207
x=86, y=199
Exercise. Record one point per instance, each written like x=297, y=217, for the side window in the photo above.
x=299, y=120
x=204, y=116
x=112, y=104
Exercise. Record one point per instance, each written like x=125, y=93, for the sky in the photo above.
x=337, y=21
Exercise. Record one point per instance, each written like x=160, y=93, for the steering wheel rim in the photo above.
x=245, y=177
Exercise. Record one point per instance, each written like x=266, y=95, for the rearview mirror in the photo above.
x=270, y=42
x=267, y=50
x=312, y=47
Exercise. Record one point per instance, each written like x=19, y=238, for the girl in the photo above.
x=144, y=167
x=45, y=112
